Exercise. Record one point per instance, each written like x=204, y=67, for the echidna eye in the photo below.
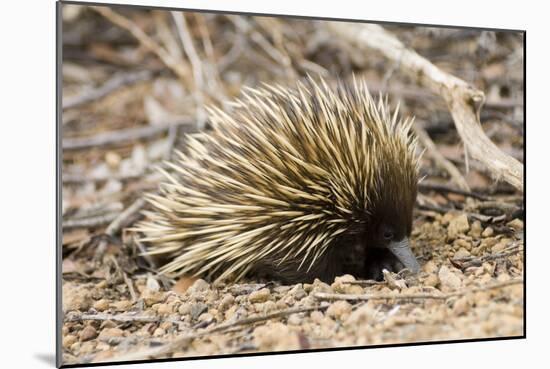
x=388, y=235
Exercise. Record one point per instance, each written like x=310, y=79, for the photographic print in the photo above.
x=234, y=184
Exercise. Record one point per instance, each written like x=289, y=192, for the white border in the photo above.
x=27, y=302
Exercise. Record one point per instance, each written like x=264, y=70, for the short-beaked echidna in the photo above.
x=296, y=183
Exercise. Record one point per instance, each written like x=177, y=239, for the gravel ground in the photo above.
x=471, y=286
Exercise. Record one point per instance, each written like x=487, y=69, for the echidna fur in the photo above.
x=296, y=183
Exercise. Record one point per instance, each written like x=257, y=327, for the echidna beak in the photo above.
x=402, y=251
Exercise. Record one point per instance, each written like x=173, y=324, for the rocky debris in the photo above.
x=259, y=296
x=87, y=333
x=477, y=256
x=458, y=225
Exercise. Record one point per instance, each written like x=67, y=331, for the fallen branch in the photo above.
x=423, y=205
x=89, y=222
x=184, y=339
x=113, y=84
x=411, y=296
x=463, y=100
x=118, y=137
x=122, y=220
x=69, y=178
x=500, y=206
x=275, y=54
x=415, y=93
x=177, y=66
x=127, y=280
x=440, y=160
x=469, y=261
x=437, y=187
x=196, y=65
x=122, y=318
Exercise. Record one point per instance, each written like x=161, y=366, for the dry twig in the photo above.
x=118, y=137
x=411, y=296
x=440, y=160
x=196, y=65
x=470, y=261
x=463, y=100
x=90, y=222
x=179, y=68
x=113, y=84
x=127, y=280
x=184, y=339
x=122, y=220
x=438, y=187
x=122, y=318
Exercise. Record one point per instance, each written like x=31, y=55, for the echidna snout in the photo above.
x=302, y=183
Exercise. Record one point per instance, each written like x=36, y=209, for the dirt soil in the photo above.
x=470, y=287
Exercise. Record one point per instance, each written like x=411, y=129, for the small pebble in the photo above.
x=166, y=325
x=320, y=286
x=76, y=346
x=151, y=297
x=259, y=296
x=448, y=279
x=365, y=314
x=488, y=242
x=122, y=305
x=430, y=267
x=346, y=278
x=268, y=307
x=76, y=300
x=101, y=305
x=298, y=292
x=275, y=337
x=230, y=313
x=112, y=159
x=461, y=253
x=69, y=340
x=498, y=247
x=516, y=224
x=432, y=280
x=227, y=301
x=354, y=289
x=458, y=225
x=105, y=353
x=487, y=232
x=206, y=317
x=111, y=332
x=476, y=229
x=294, y=319
x=462, y=243
x=152, y=284
x=164, y=309
x=159, y=332
x=184, y=309
x=339, y=309
x=316, y=316
x=197, y=309
x=461, y=306
x=87, y=333
x=198, y=286
x=87, y=347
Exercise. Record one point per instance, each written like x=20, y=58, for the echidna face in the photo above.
x=390, y=235
x=389, y=223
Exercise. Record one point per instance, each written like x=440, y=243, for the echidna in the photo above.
x=296, y=183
